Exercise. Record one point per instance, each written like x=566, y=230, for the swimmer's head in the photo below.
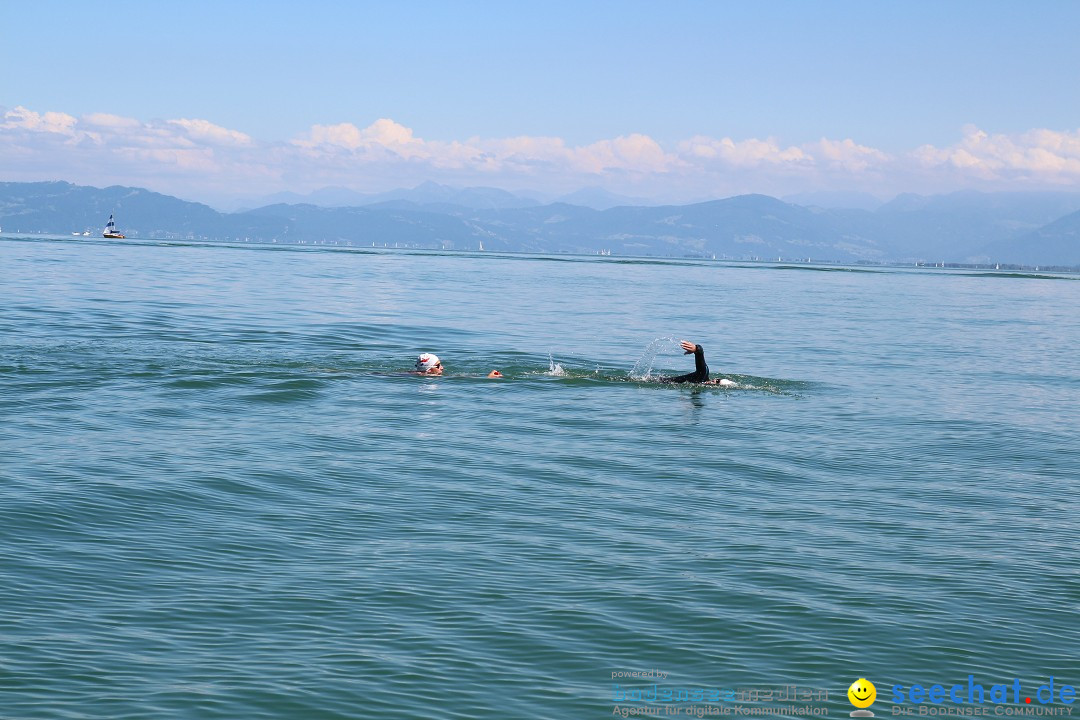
x=429, y=364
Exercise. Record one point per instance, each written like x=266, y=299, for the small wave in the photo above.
x=1029, y=276
x=819, y=268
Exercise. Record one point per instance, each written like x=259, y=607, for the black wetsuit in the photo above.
x=701, y=370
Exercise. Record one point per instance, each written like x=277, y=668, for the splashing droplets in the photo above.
x=642, y=369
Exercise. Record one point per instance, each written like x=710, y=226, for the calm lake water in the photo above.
x=221, y=498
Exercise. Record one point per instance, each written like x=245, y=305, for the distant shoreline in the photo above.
x=1003, y=269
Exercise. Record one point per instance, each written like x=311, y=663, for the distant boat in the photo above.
x=110, y=230
x=481, y=245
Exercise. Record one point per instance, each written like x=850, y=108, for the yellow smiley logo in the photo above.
x=862, y=693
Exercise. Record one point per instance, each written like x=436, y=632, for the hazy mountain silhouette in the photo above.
x=63, y=208
x=1032, y=228
x=836, y=200
x=966, y=225
x=428, y=193
x=600, y=199
x=1057, y=243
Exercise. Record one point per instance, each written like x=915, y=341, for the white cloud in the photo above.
x=750, y=153
x=849, y=155
x=383, y=134
x=195, y=156
x=634, y=153
x=1038, y=155
x=203, y=130
x=106, y=121
x=50, y=122
x=386, y=139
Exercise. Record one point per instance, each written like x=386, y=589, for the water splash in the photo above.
x=642, y=369
x=554, y=368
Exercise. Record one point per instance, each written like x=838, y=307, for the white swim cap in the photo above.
x=426, y=361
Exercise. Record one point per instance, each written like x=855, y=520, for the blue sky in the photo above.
x=896, y=89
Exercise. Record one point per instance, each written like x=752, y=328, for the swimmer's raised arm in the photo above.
x=701, y=370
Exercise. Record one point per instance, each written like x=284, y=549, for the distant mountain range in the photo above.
x=434, y=195
x=428, y=193
x=1028, y=228
x=837, y=200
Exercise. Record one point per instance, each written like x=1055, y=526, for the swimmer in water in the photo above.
x=701, y=370
x=430, y=364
